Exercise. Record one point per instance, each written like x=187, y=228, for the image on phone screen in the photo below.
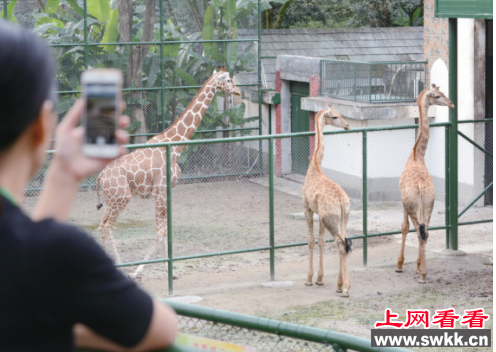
x=101, y=101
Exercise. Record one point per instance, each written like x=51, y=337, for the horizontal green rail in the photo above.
x=171, y=42
x=474, y=222
x=151, y=89
x=326, y=337
x=201, y=131
x=475, y=121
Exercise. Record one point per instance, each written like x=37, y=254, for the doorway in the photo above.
x=300, y=146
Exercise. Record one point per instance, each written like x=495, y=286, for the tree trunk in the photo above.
x=137, y=55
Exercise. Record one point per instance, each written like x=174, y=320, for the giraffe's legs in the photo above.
x=311, y=242
x=112, y=212
x=320, y=274
x=339, y=239
x=404, y=231
x=161, y=231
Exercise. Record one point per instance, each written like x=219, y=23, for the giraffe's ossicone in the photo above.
x=144, y=171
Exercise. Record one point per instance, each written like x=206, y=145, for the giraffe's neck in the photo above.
x=318, y=154
x=423, y=133
x=185, y=125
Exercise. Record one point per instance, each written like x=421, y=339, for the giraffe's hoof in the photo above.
x=420, y=281
x=321, y=283
x=344, y=295
x=308, y=284
x=339, y=290
x=175, y=277
x=399, y=270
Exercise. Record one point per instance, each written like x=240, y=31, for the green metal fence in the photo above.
x=167, y=49
x=373, y=82
x=264, y=334
x=228, y=214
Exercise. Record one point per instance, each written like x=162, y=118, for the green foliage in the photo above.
x=185, y=64
x=386, y=13
x=10, y=12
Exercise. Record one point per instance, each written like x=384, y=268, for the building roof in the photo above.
x=355, y=44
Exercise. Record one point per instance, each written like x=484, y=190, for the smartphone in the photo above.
x=102, y=94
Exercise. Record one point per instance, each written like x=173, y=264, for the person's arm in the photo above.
x=161, y=333
x=69, y=166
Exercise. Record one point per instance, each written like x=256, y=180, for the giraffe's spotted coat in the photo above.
x=326, y=198
x=144, y=173
x=417, y=189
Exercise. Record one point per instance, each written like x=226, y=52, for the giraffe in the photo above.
x=144, y=173
x=330, y=201
x=417, y=189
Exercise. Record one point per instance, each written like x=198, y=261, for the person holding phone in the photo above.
x=58, y=289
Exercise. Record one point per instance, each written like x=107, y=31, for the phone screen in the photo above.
x=101, y=103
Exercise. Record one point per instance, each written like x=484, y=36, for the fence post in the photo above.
x=453, y=140
x=85, y=19
x=162, y=73
x=446, y=183
x=5, y=14
x=364, y=195
x=271, y=207
x=169, y=220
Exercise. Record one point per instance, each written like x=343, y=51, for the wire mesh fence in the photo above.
x=475, y=171
x=167, y=50
x=242, y=196
x=373, y=82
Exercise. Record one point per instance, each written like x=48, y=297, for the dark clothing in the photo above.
x=53, y=276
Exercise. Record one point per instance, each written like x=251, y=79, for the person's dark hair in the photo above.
x=27, y=73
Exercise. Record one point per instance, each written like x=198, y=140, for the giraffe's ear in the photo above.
x=437, y=89
x=215, y=71
x=222, y=76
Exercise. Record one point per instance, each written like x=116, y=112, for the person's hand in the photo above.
x=69, y=140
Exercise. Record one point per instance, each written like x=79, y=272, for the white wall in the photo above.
x=466, y=97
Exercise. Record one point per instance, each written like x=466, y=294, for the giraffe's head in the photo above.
x=436, y=97
x=224, y=82
x=333, y=118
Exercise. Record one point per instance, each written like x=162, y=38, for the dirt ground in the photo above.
x=234, y=214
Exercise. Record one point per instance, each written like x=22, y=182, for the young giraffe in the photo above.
x=326, y=198
x=417, y=189
x=144, y=173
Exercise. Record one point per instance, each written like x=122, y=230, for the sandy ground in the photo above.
x=234, y=214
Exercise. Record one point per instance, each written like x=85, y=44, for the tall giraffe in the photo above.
x=144, y=172
x=417, y=189
x=330, y=201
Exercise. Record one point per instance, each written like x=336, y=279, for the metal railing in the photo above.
x=265, y=334
x=273, y=165
x=373, y=82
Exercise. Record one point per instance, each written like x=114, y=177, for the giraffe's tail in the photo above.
x=421, y=217
x=99, y=205
x=346, y=240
